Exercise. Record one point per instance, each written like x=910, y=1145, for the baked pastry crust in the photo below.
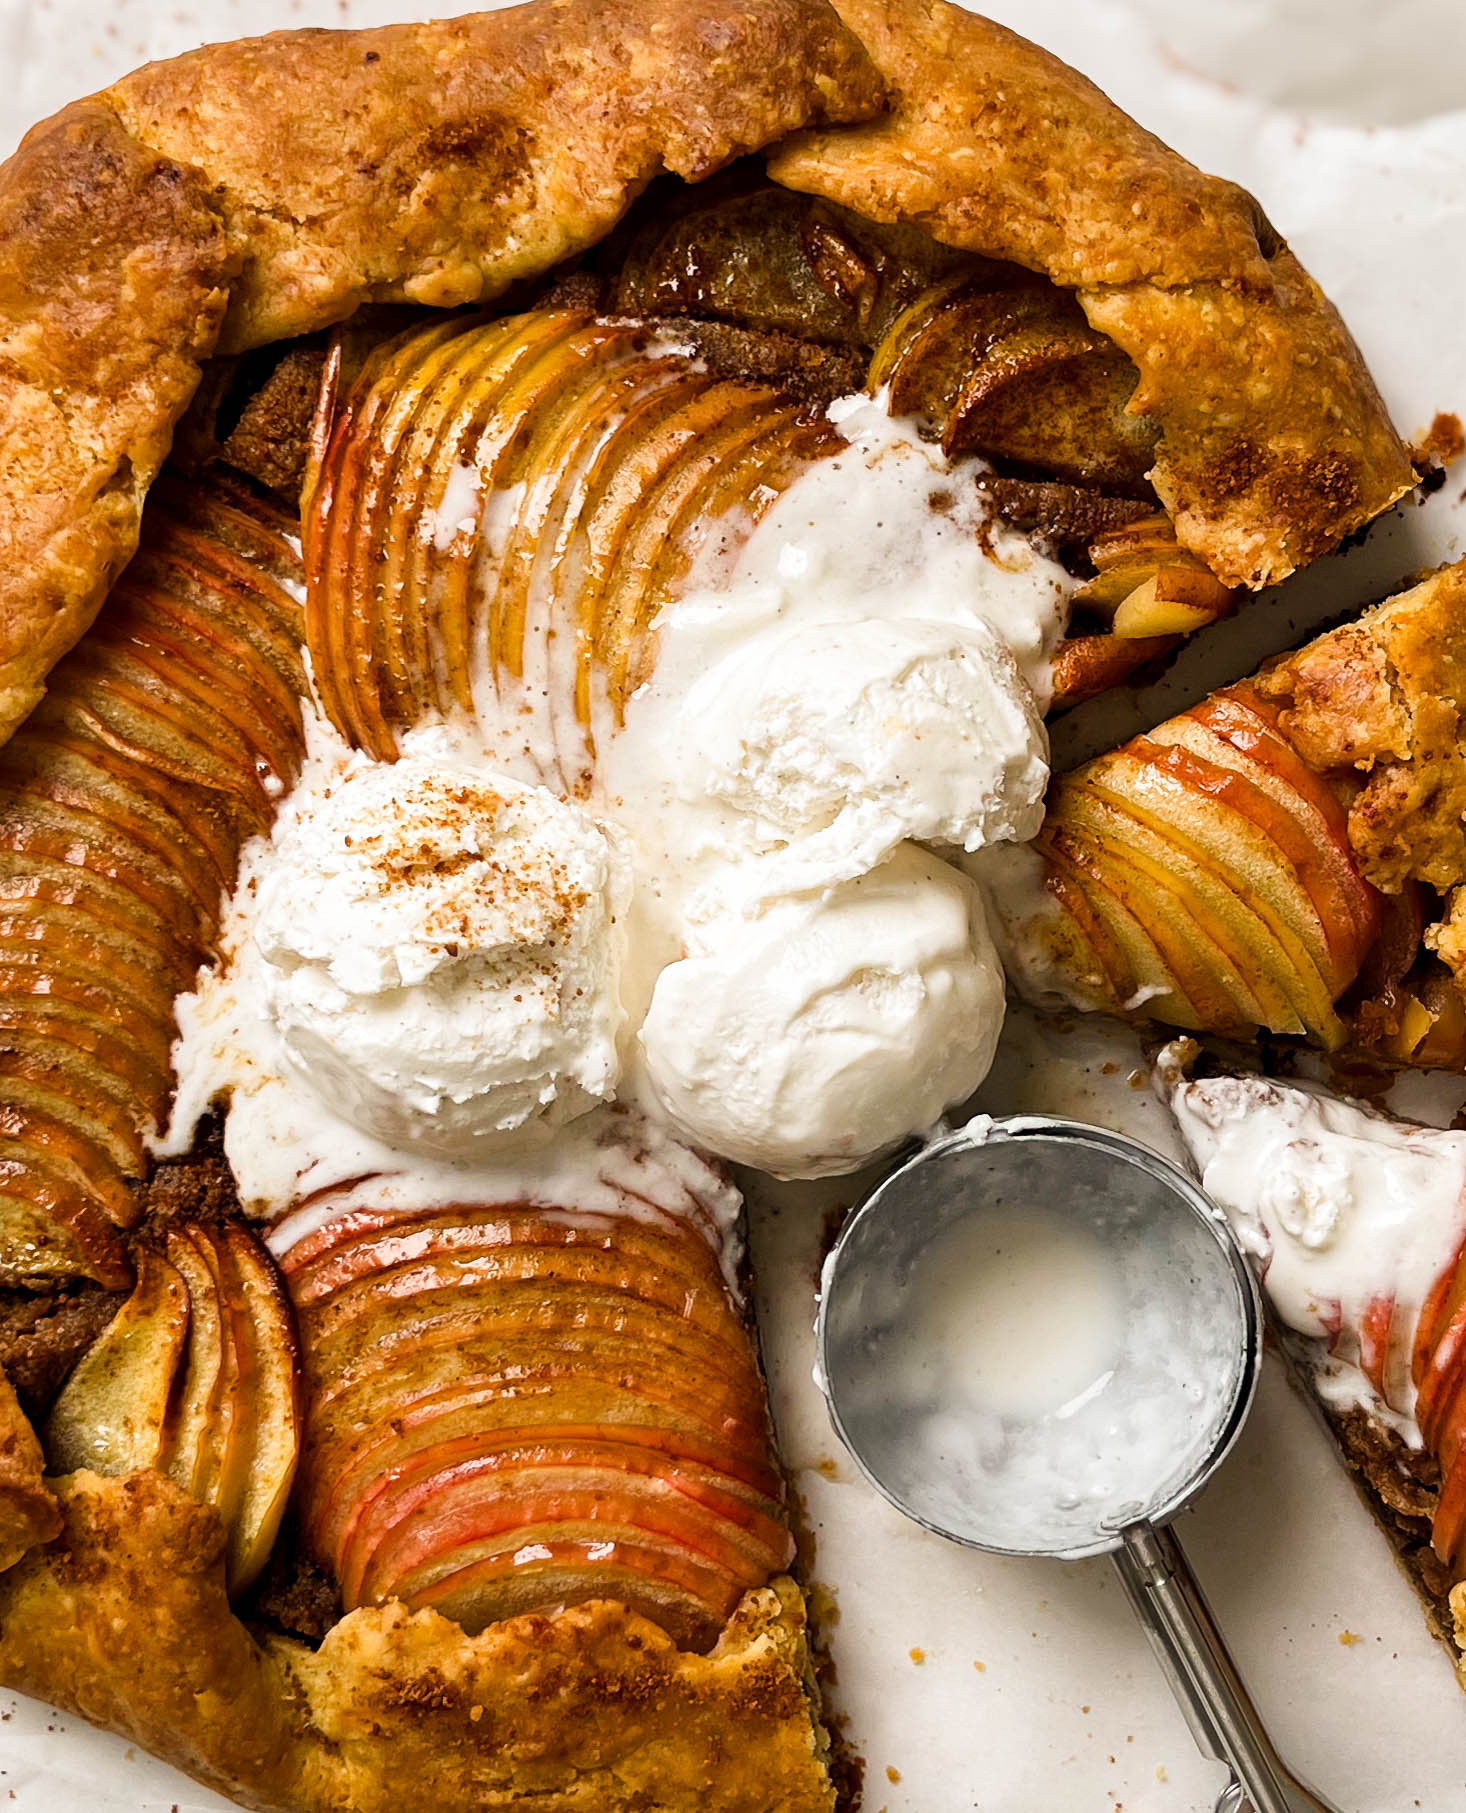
x=468, y=154
x=114, y=273
x=211, y=204
x=591, y=1709
x=1274, y=443
x=1385, y=695
x=28, y=1512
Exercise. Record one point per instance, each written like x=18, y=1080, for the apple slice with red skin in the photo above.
x=588, y=1271
x=605, y=1345
x=436, y=579
x=1251, y=724
x=619, y=489
x=339, y=643
x=653, y=558
x=1257, y=907
x=603, y=1562
x=1183, y=909
x=1199, y=813
x=563, y=432
x=1374, y=1341
x=367, y=607
x=65, y=771
x=1083, y=947
x=112, y=1411
x=1124, y=944
x=355, y=1465
x=394, y=520
x=581, y=1386
x=1346, y=905
x=446, y=1522
x=691, y=1604
x=451, y=1235
x=1336, y=939
x=454, y=1499
x=455, y=1425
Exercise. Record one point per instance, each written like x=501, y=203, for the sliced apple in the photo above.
x=488, y=1382
x=269, y=1426
x=113, y=1410
x=123, y=803
x=192, y=1450
x=585, y=440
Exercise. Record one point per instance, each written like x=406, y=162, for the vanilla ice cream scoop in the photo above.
x=809, y=1039
x=890, y=729
x=442, y=952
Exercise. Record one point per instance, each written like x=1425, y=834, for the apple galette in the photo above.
x=516, y=764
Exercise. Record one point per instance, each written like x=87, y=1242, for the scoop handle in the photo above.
x=1168, y=1601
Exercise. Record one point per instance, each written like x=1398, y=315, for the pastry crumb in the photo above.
x=1349, y=1638
x=918, y=1656
x=893, y=1774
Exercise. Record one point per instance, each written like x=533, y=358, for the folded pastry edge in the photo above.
x=123, y=1619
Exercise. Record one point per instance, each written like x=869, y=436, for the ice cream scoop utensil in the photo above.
x=957, y=1466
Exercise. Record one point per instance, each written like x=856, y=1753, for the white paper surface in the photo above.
x=1336, y=113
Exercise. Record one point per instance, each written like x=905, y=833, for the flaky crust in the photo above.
x=214, y=203
x=458, y=157
x=1274, y=442
x=124, y=1620
x=113, y=280
x=1386, y=696
x=28, y=1512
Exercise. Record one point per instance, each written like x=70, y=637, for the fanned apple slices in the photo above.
x=512, y=1408
x=123, y=803
x=1202, y=875
x=600, y=460
x=1289, y=854
x=196, y=1377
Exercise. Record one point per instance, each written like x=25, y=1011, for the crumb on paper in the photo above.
x=1348, y=1638
x=1160, y=1773
x=1444, y=440
x=827, y=1468
x=893, y=1774
x=981, y=1667
x=918, y=1656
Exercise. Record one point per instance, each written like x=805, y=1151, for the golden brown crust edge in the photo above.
x=212, y=203
x=124, y=1620
x=1275, y=444
x=28, y=1512
x=1386, y=696
x=113, y=275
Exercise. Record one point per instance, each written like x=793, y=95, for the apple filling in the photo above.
x=666, y=641
x=1201, y=875
x=511, y=1408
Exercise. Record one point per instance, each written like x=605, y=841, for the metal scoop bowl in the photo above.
x=1177, y=1258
